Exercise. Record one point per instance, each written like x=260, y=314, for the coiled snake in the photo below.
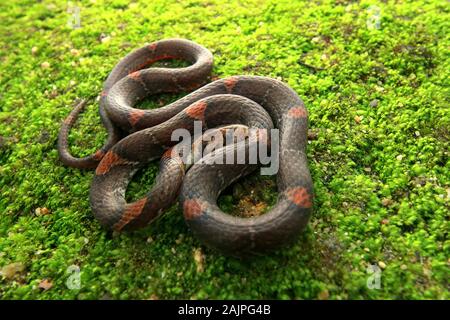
x=137, y=136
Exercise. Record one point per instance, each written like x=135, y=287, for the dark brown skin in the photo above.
x=255, y=102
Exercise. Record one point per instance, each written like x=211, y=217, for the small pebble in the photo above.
x=41, y=211
x=381, y=264
x=179, y=239
x=45, y=284
x=10, y=270
x=316, y=39
x=312, y=135
x=374, y=103
x=105, y=39
x=323, y=295
x=403, y=267
x=75, y=52
x=45, y=65
x=199, y=259
x=106, y=296
x=34, y=50
x=427, y=272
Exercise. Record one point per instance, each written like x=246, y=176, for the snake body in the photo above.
x=136, y=137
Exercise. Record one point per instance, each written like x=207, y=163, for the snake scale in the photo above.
x=136, y=137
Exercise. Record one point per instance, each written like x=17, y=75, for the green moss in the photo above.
x=378, y=103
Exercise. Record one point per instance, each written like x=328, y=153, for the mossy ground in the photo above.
x=378, y=104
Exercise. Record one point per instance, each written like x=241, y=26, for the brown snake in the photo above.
x=136, y=137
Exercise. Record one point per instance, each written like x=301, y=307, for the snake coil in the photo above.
x=137, y=136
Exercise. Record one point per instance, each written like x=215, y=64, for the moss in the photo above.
x=378, y=104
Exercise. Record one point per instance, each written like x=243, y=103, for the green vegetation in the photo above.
x=379, y=111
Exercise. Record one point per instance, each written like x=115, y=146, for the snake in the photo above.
x=138, y=136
